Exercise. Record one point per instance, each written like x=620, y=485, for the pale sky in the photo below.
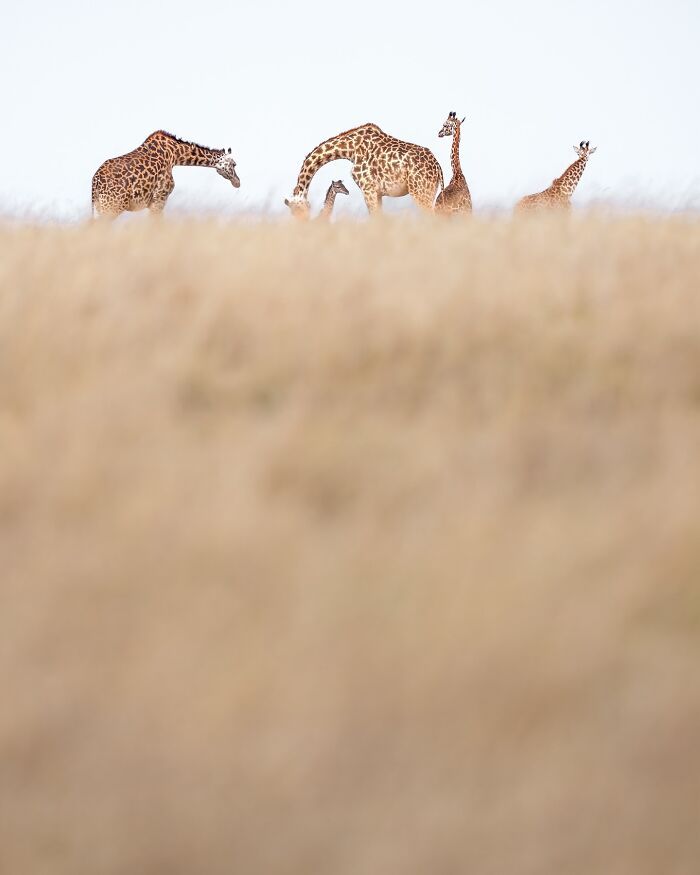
x=85, y=81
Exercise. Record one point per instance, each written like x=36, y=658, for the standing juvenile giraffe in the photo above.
x=143, y=179
x=336, y=187
x=558, y=195
x=382, y=167
x=455, y=198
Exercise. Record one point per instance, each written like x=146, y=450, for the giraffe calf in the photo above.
x=336, y=187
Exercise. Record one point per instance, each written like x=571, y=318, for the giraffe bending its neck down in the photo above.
x=336, y=187
x=143, y=179
x=559, y=192
x=455, y=198
x=382, y=167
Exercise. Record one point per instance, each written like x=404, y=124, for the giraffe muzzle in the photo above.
x=235, y=181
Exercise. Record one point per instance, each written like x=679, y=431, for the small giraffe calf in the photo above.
x=143, y=179
x=456, y=197
x=558, y=195
x=336, y=187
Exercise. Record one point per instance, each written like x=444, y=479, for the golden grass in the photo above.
x=368, y=548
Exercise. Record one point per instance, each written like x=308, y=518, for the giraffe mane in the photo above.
x=182, y=142
x=357, y=127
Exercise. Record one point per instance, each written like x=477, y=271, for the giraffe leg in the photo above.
x=423, y=189
x=155, y=208
x=365, y=183
x=161, y=192
x=373, y=201
x=106, y=208
x=110, y=199
x=424, y=198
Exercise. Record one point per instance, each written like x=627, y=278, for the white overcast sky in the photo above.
x=84, y=81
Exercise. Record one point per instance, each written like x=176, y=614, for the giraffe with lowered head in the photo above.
x=383, y=166
x=558, y=195
x=143, y=179
x=336, y=187
x=456, y=197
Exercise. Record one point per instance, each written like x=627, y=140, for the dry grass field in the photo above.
x=367, y=549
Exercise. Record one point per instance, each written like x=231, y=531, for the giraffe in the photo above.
x=558, y=195
x=143, y=179
x=382, y=167
x=455, y=198
x=336, y=187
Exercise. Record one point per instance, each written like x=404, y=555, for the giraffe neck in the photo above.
x=193, y=155
x=567, y=182
x=328, y=203
x=181, y=153
x=456, y=167
x=343, y=146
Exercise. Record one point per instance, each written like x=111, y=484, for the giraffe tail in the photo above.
x=93, y=198
x=442, y=186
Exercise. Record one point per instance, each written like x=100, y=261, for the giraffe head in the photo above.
x=299, y=206
x=338, y=187
x=583, y=149
x=452, y=123
x=226, y=167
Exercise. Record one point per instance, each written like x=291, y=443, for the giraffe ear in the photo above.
x=591, y=151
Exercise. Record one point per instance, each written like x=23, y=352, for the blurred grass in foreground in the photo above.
x=371, y=548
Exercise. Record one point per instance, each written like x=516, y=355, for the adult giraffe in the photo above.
x=456, y=197
x=143, y=179
x=382, y=167
x=558, y=195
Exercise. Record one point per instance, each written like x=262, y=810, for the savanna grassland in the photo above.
x=370, y=548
